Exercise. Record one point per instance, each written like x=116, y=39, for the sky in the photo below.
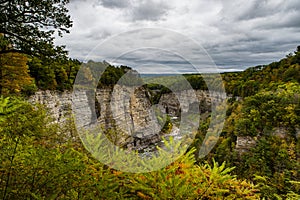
x=161, y=35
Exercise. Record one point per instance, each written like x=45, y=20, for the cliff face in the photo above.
x=205, y=99
x=126, y=110
x=58, y=103
x=129, y=111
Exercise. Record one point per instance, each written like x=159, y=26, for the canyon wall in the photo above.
x=126, y=110
x=205, y=100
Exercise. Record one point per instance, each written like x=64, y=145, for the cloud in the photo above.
x=136, y=10
x=155, y=47
x=149, y=10
x=236, y=34
x=114, y=3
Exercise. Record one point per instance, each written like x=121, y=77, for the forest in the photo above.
x=38, y=161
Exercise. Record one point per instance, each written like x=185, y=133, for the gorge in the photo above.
x=134, y=118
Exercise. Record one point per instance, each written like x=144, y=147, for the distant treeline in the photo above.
x=253, y=79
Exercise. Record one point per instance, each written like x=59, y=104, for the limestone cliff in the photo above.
x=205, y=100
x=58, y=103
x=126, y=110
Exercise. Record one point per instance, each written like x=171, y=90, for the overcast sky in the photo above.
x=235, y=33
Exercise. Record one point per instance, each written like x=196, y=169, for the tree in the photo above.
x=14, y=75
x=54, y=74
x=29, y=26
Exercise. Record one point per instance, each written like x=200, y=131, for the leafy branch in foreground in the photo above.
x=29, y=26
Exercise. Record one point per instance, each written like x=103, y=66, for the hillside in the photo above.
x=253, y=79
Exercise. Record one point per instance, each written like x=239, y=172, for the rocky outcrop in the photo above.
x=244, y=143
x=123, y=108
x=58, y=103
x=204, y=100
x=128, y=109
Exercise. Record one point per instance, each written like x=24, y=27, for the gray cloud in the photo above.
x=114, y=3
x=260, y=9
x=149, y=10
x=236, y=34
x=255, y=32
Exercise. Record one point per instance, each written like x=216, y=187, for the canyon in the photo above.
x=129, y=112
